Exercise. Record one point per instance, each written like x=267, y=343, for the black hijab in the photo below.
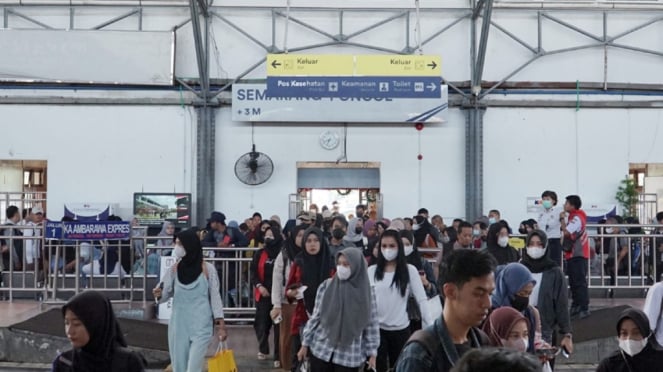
x=541, y=264
x=191, y=265
x=273, y=248
x=503, y=255
x=290, y=247
x=96, y=313
x=414, y=258
x=315, y=268
x=648, y=359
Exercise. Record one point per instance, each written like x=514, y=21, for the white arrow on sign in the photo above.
x=431, y=87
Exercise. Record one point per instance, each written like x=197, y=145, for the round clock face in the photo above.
x=329, y=140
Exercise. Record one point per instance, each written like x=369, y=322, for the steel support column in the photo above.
x=205, y=128
x=474, y=112
x=474, y=162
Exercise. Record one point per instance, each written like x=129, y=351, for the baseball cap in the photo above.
x=304, y=217
x=37, y=210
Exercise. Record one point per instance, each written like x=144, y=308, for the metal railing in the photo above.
x=66, y=268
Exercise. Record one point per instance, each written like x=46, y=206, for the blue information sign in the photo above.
x=53, y=230
x=96, y=230
x=360, y=87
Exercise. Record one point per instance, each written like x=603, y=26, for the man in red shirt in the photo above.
x=574, y=229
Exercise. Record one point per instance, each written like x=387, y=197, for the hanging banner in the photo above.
x=250, y=102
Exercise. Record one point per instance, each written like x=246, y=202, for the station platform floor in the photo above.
x=242, y=339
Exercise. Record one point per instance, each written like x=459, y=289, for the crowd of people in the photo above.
x=406, y=294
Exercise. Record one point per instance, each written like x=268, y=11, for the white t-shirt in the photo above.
x=392, y=307
x=534, y=297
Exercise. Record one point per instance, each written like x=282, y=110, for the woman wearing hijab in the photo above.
x=313, y=265
x=167, y=232
x=394, y=280
x=96, y=338
x=513, y=286
x=354, y=236
x=262, y=269
x=343, y=331
x=506, y=327
x=497, y=243
x=550, y=294
x=282, y=310
x=636, y=346
x=194, y=286
x=414, y=258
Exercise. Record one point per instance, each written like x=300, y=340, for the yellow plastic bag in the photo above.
x=223, y=361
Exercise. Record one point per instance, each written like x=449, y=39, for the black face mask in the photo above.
x=269, y=240
x=523, y=231
x=358, y=230
x=338, y=233
x=519, y=303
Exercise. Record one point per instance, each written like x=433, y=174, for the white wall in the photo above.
x=105, y=153
x=586, y=152
x=102, y=154
x=395, y=146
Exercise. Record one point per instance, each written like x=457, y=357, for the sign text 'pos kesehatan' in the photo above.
x=353, y=65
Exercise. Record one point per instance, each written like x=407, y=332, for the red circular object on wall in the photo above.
x=419, y=126
x=419, y=157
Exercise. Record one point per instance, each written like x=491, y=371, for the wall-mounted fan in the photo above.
x=254, y=168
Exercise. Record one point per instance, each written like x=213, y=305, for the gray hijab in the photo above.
x=351, y=235
x=346, y=305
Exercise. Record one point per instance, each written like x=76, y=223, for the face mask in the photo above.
x=408, y=249
x=632, y=347
x=445, y=239
x=179, y=252
x=358, y=230
x=520, y=344
x=523, y=231
x=390, y=254
x=519, y=303
x=492, y=220
x=547, y=204
x=503, y=241
x=476, y=232
x=416, y=227
x=343, y=272
x=338, y=233
x=269, y=240
x=536, y=252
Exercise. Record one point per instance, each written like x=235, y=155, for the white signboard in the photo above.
x=87, y=56
x=250, y=103
x=166, y=308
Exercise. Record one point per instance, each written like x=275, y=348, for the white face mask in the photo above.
x=416, y=227
x=503, y=241
x=389, y=254
x=520, y=344
x=536, y=252
x=408, y=249
x=343, y=272
x=179, y=252
x=445, y=239
x=632, y=347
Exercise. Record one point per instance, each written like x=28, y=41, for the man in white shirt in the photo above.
x=548, y=221
x=33, y=246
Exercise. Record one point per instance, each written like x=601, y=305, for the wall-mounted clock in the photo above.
x=329, y=140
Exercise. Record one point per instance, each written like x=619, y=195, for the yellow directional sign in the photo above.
x=310, y=65
x=398, y=65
